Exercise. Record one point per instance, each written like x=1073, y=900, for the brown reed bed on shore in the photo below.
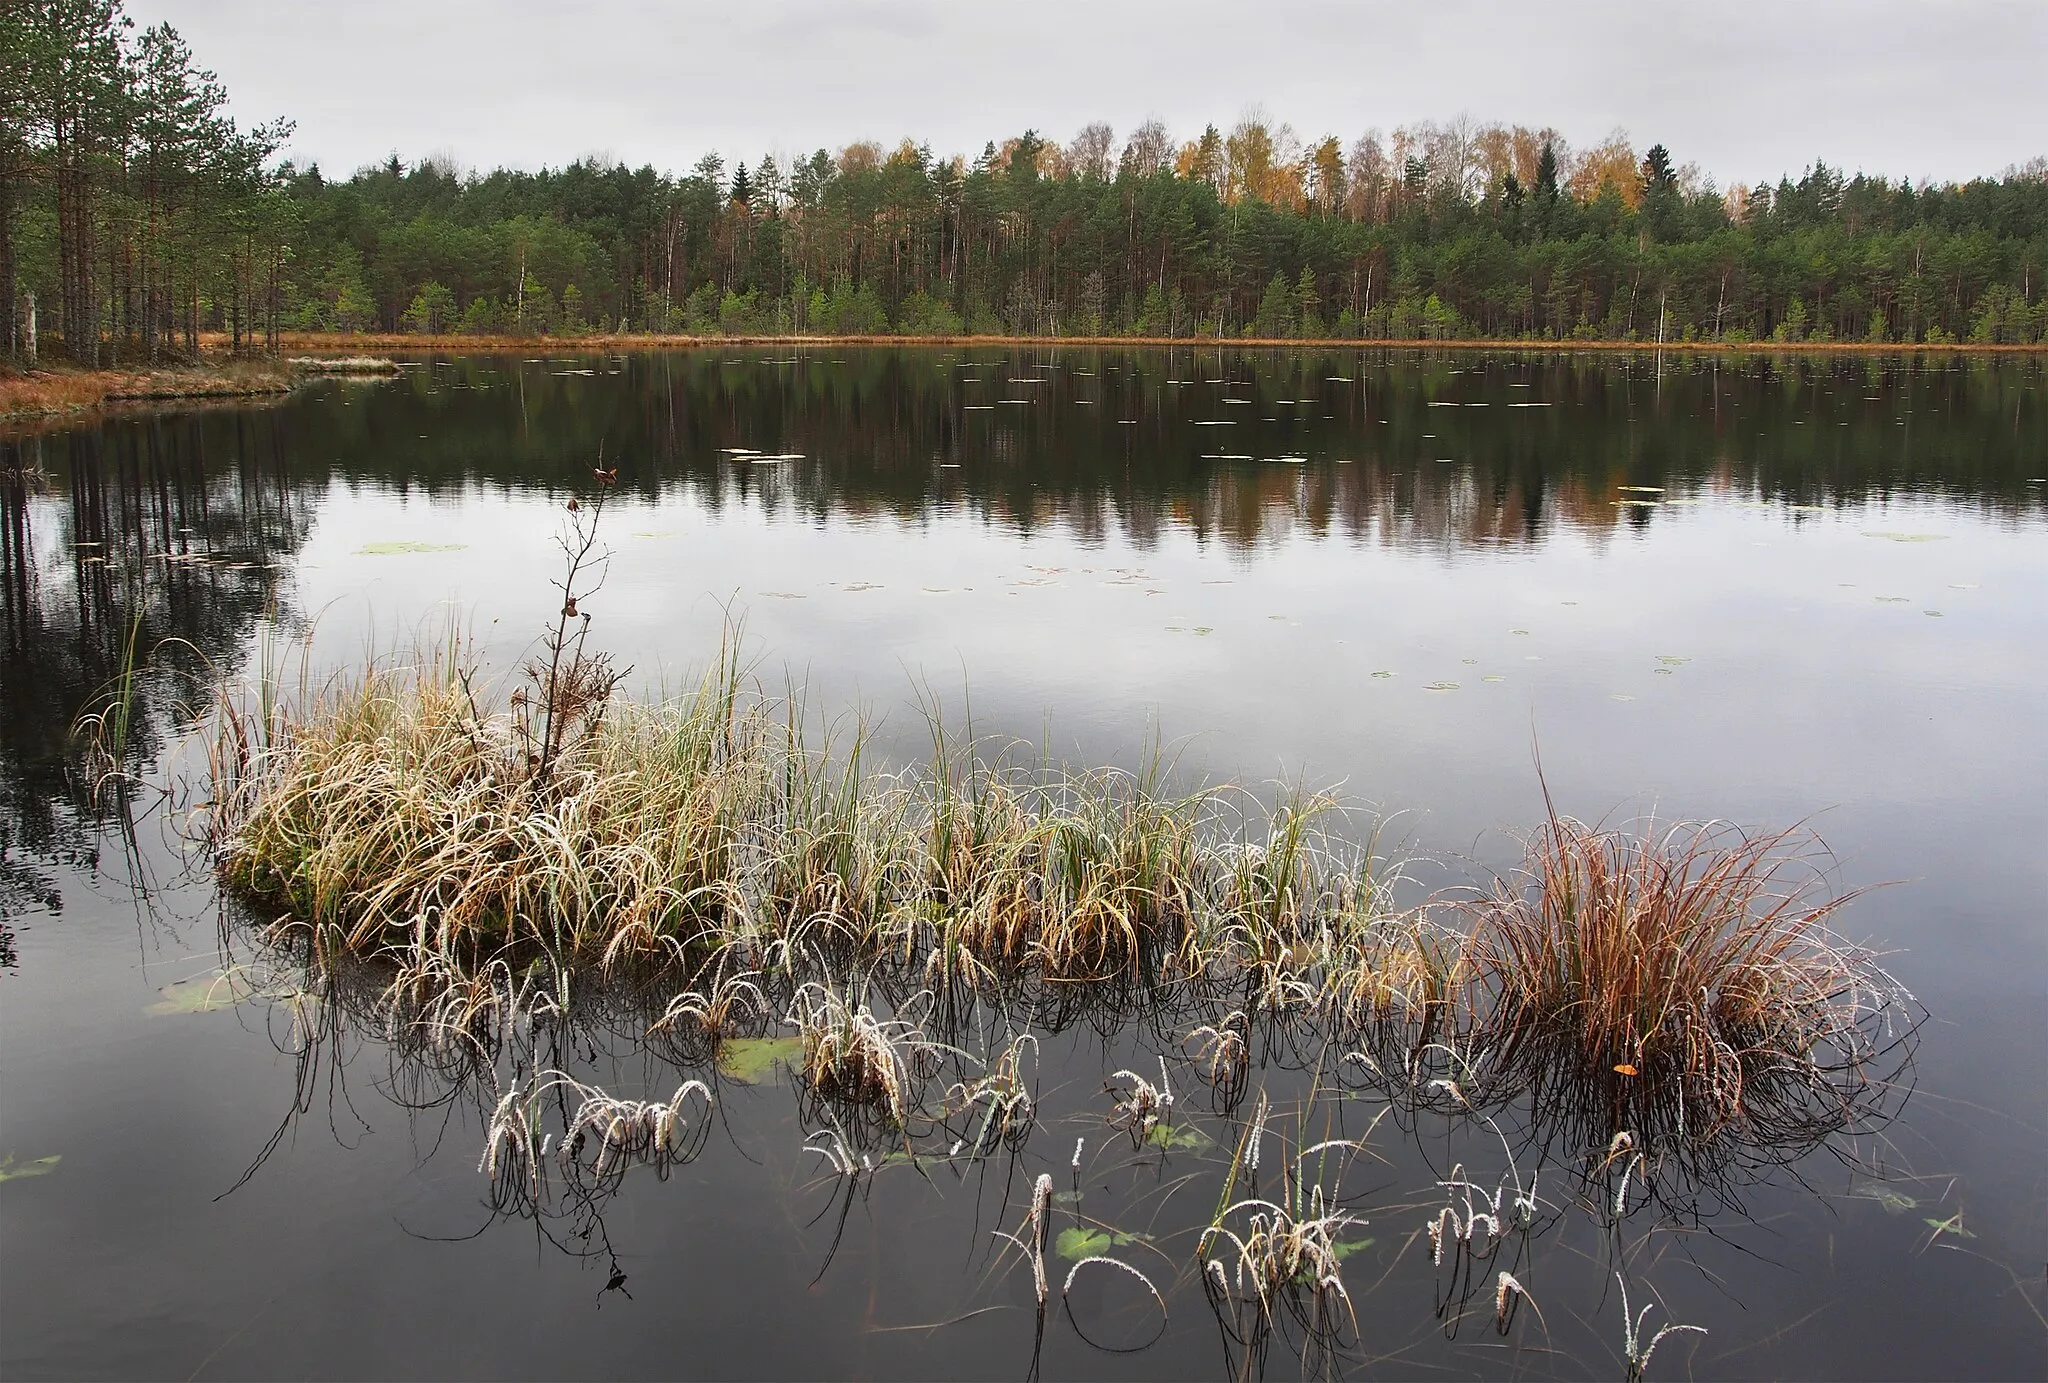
x=405, y=341
x=36, y=393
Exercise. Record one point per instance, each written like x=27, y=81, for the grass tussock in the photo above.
x=1684, y=986
x=1681, y=984
x=393, y=810
x=1681, y=988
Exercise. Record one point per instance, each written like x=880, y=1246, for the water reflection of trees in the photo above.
x=167, y=535
x=1110, y=439
x=171, y=530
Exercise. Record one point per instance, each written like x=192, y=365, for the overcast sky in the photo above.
x=1941, y=89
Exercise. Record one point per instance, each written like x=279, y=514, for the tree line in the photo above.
x=140, y=216
x=133, y=212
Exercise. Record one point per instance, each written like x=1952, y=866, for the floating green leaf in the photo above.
x=1075, y=1242
x=751, y=1060
x=400, y=549
x=1179, y=1138
x=1672, y=660
x=1907, y=537
x=1441, y=686
x=1383, y=673
x=1892, y=1202
x=1952, y=1225
x=1344, y=1248
x=202, y=995
x=42, y=1166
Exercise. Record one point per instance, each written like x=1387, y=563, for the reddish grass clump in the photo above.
x=1682, y=985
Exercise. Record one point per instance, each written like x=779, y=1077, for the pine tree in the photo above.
x=1276, y=310
x=1307, y=319
x=1657, y=171
x=1546, y=176
x=1546, y=188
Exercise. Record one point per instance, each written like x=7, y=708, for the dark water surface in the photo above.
x=1825, y=598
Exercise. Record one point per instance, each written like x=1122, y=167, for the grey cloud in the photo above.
x=1746, y=90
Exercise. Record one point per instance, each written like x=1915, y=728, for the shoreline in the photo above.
x=63, y=392
x=336, y=341
x=58, y=393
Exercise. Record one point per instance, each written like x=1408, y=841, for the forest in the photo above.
x=135, y=216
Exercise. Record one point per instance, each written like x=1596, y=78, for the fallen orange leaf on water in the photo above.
x=1626, y=1069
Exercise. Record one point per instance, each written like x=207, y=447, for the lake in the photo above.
x=1774, y=591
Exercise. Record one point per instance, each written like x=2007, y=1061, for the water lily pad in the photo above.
x=202, y=995
x=1892, y=1202
x=752, y=1060
x=1383, y=673
x=42, y=1166
x=1076, y=1242
x=1179, y=1138
x=399, y=549
x=1441, y=686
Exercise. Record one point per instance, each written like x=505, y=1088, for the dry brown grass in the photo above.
x=40, y=392
x=1681, y=984
x=53, y=391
